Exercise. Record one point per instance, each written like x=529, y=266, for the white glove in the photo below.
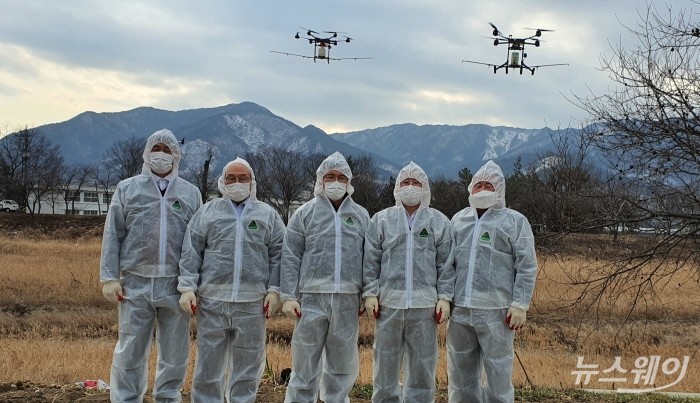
x=442, y=311
x=372, y=306
x=112, y=291
x=271, y=304
x=515, y=318
x=188, y=302
x=292, y=309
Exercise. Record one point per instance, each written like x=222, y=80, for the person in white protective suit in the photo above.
x=230, y=260
x=141, y=244
x=496, y=269
x=321, y=280
x=408, y=279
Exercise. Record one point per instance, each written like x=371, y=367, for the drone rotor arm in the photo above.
x=335, y=33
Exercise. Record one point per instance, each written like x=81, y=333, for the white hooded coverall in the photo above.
x=141, y=247
x=409, y=268
x=496, y=267
x=231, y=261
x=322, y=269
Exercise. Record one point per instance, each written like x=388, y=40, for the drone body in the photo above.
x=322, y=45
x=515, y=57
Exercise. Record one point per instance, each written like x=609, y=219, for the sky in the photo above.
x=61, y=58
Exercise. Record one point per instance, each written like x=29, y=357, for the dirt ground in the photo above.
x=51, y=226
x=26, y=392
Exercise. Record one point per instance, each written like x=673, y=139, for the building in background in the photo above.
x=73, y=201
x=90, y=201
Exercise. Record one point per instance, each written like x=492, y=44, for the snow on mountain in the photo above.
x=229, y=130
x=234, y=129
x=445, y=150
x=500, y=139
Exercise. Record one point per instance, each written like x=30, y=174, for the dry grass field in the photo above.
x=55, y=327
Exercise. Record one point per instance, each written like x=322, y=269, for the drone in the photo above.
x=323, y=42
x=515, y=56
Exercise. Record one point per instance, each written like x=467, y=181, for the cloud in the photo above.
x=60, y=58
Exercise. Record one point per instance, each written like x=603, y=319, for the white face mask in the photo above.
x=235, y=191
x=483, y=200
x=410, y=195
x=335, y=190
x=160, y=162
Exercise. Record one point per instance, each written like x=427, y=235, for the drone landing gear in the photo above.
x=525, y=66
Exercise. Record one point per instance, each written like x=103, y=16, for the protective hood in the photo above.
x=491, y=173
x=253, y=183
x=166, y=137
x=337, y=162
x=412, y=170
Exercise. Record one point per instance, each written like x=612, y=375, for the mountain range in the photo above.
x=234, y=129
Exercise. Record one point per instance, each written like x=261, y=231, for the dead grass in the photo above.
x=50, y=272
x=561, y=279
x=56, y=327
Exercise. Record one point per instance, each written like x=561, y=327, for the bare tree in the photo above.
x=367, y=183
x=30, y=166
x=65, y=183
x=647, y=130
x=73, y=179
x=386, y=193
x=125, y=157
x=202, y=177
x=283, y=177
x=104, y=179
x=449, y=195
x=557, y=190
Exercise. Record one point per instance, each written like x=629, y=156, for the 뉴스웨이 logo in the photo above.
x=644, y=374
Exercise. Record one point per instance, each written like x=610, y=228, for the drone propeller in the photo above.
x=538, y=31
x=495, y=32
x=309, y=30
